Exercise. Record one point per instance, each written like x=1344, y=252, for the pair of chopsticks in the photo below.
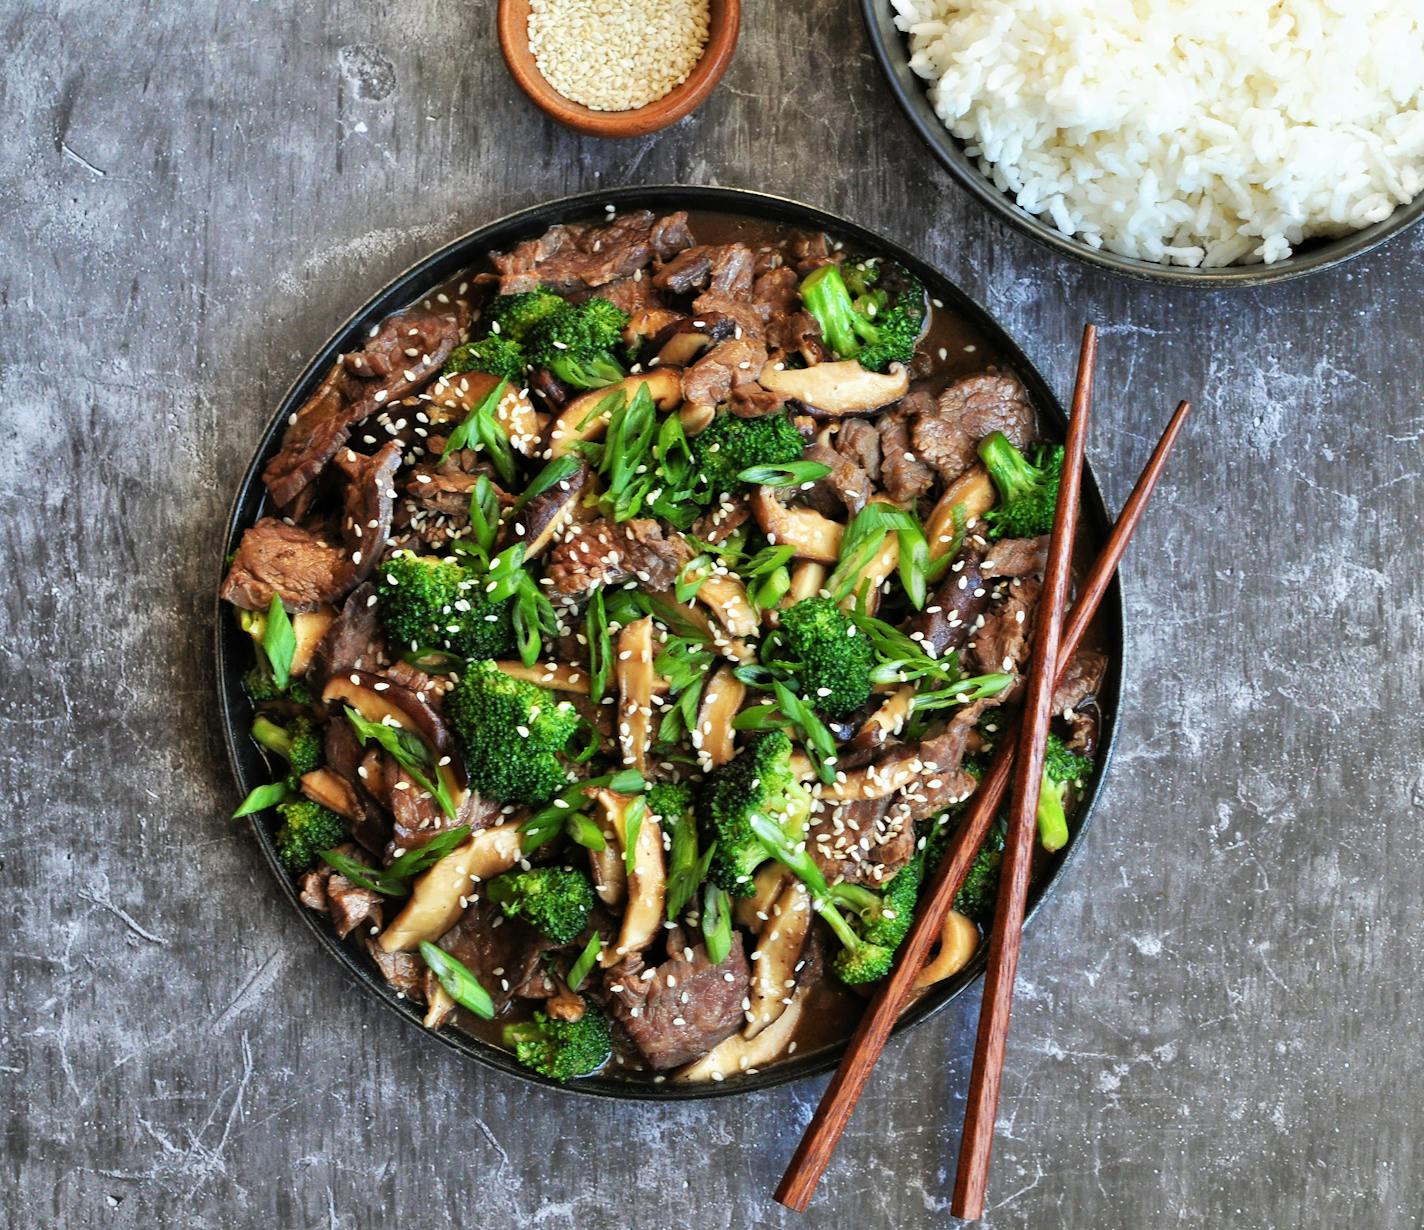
x=1056, y=640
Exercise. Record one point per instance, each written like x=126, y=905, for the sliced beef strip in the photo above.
x=774, y=294
x=811, y=252
x=405, y=971
x=724, y=268
x=749, y=400
x=1017, y=557
x=602, y=553
x=680, y=1010
x=1074, y=697
x=352, y=642
x=1002, y=644
x=735, y=362
x=859, y=442
x=276, y=558
x=847, y=488
x=369, y=498
x=418, y=817
x=903, y=474
x=571, y=258
x=503, y=953
x=344, y=756
x=798, y=333
x=950, y=615
x=325, y=890
x=687, y=271
x=943, y=782
x=632, y=295
x=746, y=320
x=718, y=524
x=966, y=412
x=358, y=386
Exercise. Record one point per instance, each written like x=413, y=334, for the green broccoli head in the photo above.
x=835, y=658
x=1062, y=769
x=425, y=602
x=514, y=317
x=555, y=901
x=1028, y=489
x=499, y=356
x=758, y=781
x=1065, y=767
x=980, y=889
x=669, y=801
x=730, y=445
x=299, y=742
x=885, y=916
x=868, y=312
x=306, y=829
x=511, y=732
x=562, y=1049
x=577, y=343
x=262, y=689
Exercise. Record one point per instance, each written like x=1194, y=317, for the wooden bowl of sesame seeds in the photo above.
x=621, y=69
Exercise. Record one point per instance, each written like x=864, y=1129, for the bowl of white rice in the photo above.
x=1200, y=141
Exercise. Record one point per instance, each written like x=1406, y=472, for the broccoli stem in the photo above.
x=273, y=737
x=1052, y=822
x=826, y=297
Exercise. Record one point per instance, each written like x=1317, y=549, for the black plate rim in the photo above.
x=235, y=711
x=891, y=50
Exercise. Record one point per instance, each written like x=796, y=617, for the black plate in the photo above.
x=892, y=50
x=234, y=652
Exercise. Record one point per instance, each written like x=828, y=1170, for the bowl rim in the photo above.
x=891, y=50
x=724, y=31
x=250, y=501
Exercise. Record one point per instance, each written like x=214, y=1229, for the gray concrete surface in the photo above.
x=1219, y=1020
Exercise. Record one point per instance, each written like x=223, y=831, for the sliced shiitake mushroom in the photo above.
x=741, y=1054
x=679, y=346
x=439, y=895
x=696, y=419
x=453, y=397
x=811, y=535
x=556, y=676
x=610, y=873
x=647, y=883
x=807, y=578
x=730, y=647
x=578, y=420
x=439, y=1007
x=309, y=627
x=726, y=597
x=842, y=387
x=876, y=572
x=548, y=512
x=714, y=737
x=634, y=671
x=778, y=951
x=973, y=492
x=958, y=942
x=650, y=324
x=754, y=912
x=333, y=792
x=876, y=781
x=886, y=722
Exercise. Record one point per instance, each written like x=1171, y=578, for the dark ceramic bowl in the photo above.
x=892, y=50
x=234, y=649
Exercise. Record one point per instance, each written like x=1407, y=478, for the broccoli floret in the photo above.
x=758, y=781
x=885, y=917
x=499, y=356
x=511, y=732
x=562, y=1049
x=835, y=659
x=1061, y=770
x=1028, y=489
x=576, y=343
x=669, y=800
x=307, y=828
x=262, y=688
x=881, y=325
x=514, y=316
x=299, y=743
x=425, y=602
x=977, y=894
x=555, y=901
x=730, y=445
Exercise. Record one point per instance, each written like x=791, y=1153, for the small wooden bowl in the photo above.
x=724, y=23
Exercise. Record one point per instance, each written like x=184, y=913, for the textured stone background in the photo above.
x=1219, y=1018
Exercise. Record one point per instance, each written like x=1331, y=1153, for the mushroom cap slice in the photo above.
x=886, y=721
x=972, y=492
x=610, y=873
x=741, y=1054
x=309, y=627
x=875, y=781
x=634, y=671
x=556, y=676
x=714, y=737
x=454, y=396
x=548, y=512
x=811, y=535
x=440, y=894
x=958, y=942
x=647, y=883
x=807, y=578
x=753, y=913
x=726, y=597
x=578, y=420
x=842, y=387
x=779, y=947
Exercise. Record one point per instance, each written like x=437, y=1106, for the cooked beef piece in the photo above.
x=774, y=295
x=602, y=553
x=417, y=814
x=1017, y=557
x=725, y=268
x=746, y=320
x=1002, y=644
x=369, y=498
x=733, y=269
x=579, y=257
x=503, y=953
x=965, y=413
x=632, y=295
x=405, y=971
x=683, y=1008
x=904, y=475
x=427, y=687
x=1074, y=699
x=943, y=782
x=277, y=558
x=862, y=842
x=719, y=523
x=729, y=364
x=749, y=400
x=846, y=488
x=859, y=442
x=687, y=271
x=325, y=890
x=353, y=642
x=950, y=615
x=370, y=822
x=811, y=252
x=406, y=353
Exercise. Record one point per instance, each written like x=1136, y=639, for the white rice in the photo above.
x=1190, y=132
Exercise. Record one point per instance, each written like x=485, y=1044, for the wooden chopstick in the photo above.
x=1006, y=936
x=818, y=1143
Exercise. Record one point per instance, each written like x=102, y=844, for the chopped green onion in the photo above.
x=279, y=642
x=716, y=923
x=789, y=474
x=632, y=828
x=410, y=752
x=459, y=981
x=578, y=971
x=262, y=798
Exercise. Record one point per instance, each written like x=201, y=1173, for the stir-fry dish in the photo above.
x=631, y=625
